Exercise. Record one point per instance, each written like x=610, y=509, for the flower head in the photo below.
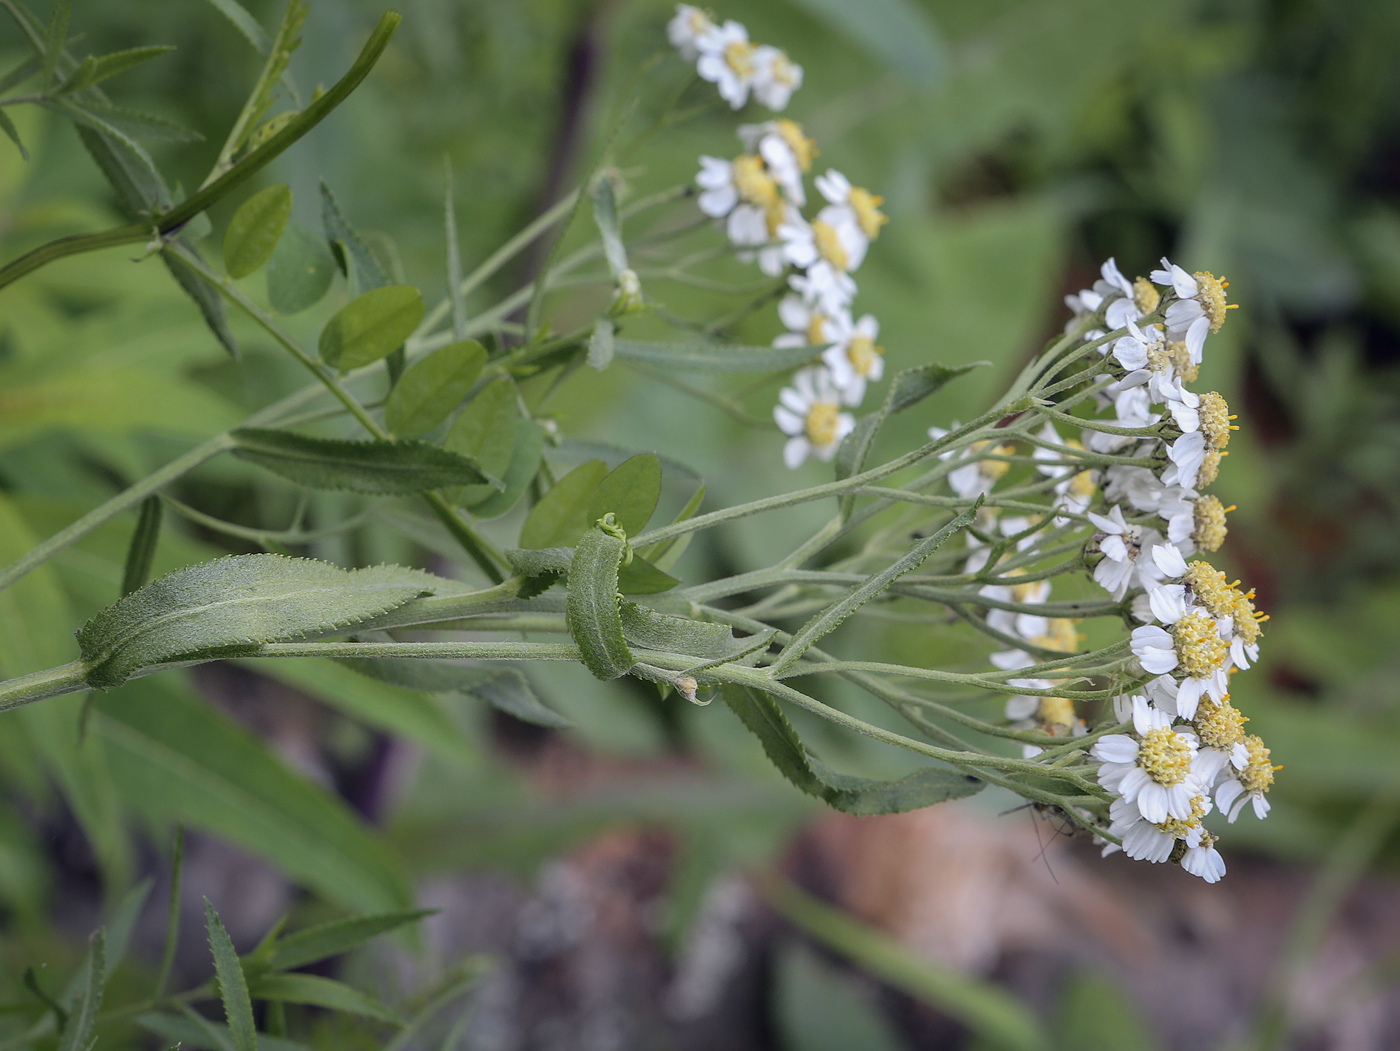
x=810, y=411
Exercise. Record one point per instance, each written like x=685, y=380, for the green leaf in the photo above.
x=897, y=34
x=207, y=1036
x=703, y=355
x=996, y=1017
x=591, y=611
x=382, y=468
x=8, y=127
x=279, y=54
x=176, y=759
x=210, y=303
x=853, y=795
x=605, y=215
x=371, y=327
x=353, y=255
x=338, y=936
x=95, y=69
x=668, y=552
x=485, y=431
x=432, y=388
x=299, y=272
x=233, y=987
x=509, y=691
x=322, y=992
x=123, y=921
x=55, y=38
x=601, y=345
x=143, y=545
x=78, y=1034
x=629, y=492
x=525, y=456
x=244, y=23
x=236, y=602
x=818, y=1008
x=660, y=631
x=255, y=229
x=640, y=577
x=829, y=619
x=561, y=516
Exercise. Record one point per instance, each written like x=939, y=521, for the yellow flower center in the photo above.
x=1030, y=591
x=1199, y=647
x=821, y=423
x=1082, y=486
x=738, y=56
x=1210, y=467
x=1215, y=420
x=1059, y=636
x=1211, y=295
x=1258, y=774
x=816, y=329
x=992, y=469
x=753, y=182
x=1247, y=618
x=1209, y=529
x=784, y=70
x=1219, y=725
x=1180, y=828
x=699, y=23
x=1180, y=357
x=866, y=205
x=863, y=354
x=1056, y=714
x=1225, y=600
x=1145, y=295
x=1165, y=756
x=829, y=245
x=803, y=148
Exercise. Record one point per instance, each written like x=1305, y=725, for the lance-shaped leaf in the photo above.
x=605, y=215
x=429, y=391
x=828, y=619
x=702, y=355
x=316, y=991
x=143, y=545
x=338, y=936
x=8, y=127
x=96, y=68
x=255, y=229
x=371, y=326
x=78, y=1033
x=853, y=795
x=381, y=468
x=210, y=303
x=234, y=603
x=592, y=612
x=353, y=254
x=233, y=987
x=299, y=272
x=661, y=631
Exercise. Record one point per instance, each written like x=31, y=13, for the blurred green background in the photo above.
x=1017, y=145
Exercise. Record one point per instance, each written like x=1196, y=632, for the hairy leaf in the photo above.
x=605, y=215
x=239, y=601
x=255, y=229
x=660, y=631
x=299, y=272
x=592, y=611
x=371, y=326
x=710, y=356
x=233, y=987
x=601, y=345
x=432, y=388
x=383, y=468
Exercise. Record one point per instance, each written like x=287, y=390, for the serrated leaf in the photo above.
x=592, y=609
x=601, y=345
x=177, y=760
x=316, y=991
x=486, y=431
x=233, y=987
x=701, y=355
x=279, y=54
x=139, y=125
x=853, y=795
x=829, y=619
x=78, y=1034
x=255, y=229
x=338, y=936
x=210, y=303
x=525, y=457
x=96, y=68
x=353, y=255
x=660, y=631
x=235, y=602
x=299, y=272
x=55, y=37
x=381, y=468
x=245, y=23
x=432, y=388
x=561, y=516
x=372, y=326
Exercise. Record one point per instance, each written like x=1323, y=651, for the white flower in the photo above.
x=824, y=287
x=743, y=193
x=727, y=61
x=1200, y=307
x=1193, y=649
x=1152, y=768
x=1123, y=308
x=785, y=150
x=854, y=357
x=976, y=477
x=810, y=411
x=686, y=28
x=828, y=239
x=1188, y=455
x=1202, y=859
x=775, y=77
x=1249, y=784
x=851, y=205
x=806, y=325
x=1122, y=546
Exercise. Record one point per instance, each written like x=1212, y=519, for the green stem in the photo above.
x=66, y=678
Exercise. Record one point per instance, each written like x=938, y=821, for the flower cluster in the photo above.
x=759, y=196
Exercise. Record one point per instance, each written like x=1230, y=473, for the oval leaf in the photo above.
x=433, y=387
x=562, y=515
x=381, y=468
x=485, y=432
x=300, y=271
x=371, y=327
x=255, y=229
x=237, y=601
x=630, y=492
x=524, y=463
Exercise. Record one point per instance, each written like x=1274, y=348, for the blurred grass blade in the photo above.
x=316, y=991
x=123, y=921
x=245, y=23
x=8, y=127
x=703, y=355
x=898, y=34
x=78, y=1034
x=172, y=914
x=994, y=1016
x=454, y=254
x=233, y=987
x=338, y=936
x=143, y=545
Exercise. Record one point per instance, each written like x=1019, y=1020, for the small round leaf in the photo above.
x=256, y=228
x=300, y=271
x=371, y=327
x=433, y=387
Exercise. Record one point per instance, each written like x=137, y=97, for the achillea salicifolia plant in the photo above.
x=1136, y=741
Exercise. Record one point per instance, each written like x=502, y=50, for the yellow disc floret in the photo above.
x=1165, y=756
x=1060, y=636
x=864, y=355
x=1056, y=715
x=1258, y=773
x=1211, y=295
x=1219, y=724
x=752, y=181
x=1180, y=357
x=829, y=245
x=821, y=422
x=866, y=205
x=1215, y=420
x=803, y=148
x=1145, y=295
x=816, y=329
x=1210, y=467
x=1209, y=528
x=1180, y=828
x=738, y=56
x=1199, y=648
